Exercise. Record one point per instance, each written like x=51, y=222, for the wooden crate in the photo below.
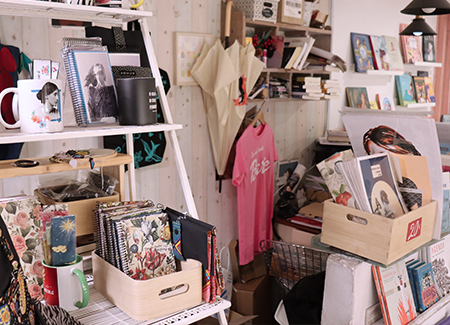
x=82, y=210
x=141, y=300
x=380, y=239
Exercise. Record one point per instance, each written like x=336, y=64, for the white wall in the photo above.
x=380, y=17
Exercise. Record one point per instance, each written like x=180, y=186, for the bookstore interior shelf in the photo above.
x=287, y=27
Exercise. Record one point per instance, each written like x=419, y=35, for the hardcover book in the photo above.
x=405, y=89
x=357, y=97
x=429, y=54
x=412, y=47
x=425, y=287
x=429, y=89
x=409, y=267
x=362, y=52
x=419, y=87
x=385, y=102
x=395, y=55
x=63, y=240
x=394, y=290
x=439, y=257
x=380, y=53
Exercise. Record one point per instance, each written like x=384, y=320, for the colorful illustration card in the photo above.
x=63, y=240
x=405, y=90
x=385, y=102
x=429, y=89
x=412, y=47
x=362, y=52
x=419, y=87
x=357, y=97
x=380, y=53
x=21, y=216
x=395, y=55
x=429, y=53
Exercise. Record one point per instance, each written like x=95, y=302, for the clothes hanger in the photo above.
x=259, y=117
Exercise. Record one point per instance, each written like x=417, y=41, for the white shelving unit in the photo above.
x=114, y=16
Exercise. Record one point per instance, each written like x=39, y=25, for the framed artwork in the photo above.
x=362, y=52
x=188, y=47
x=357, y=97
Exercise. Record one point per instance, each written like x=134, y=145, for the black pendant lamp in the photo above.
x=427, y=7
x=418, y=27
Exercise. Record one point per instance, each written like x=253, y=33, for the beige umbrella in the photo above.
x=225, y=76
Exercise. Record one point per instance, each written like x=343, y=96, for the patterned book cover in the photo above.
x=425, y=287
x=22, y=219
x=148, y=246
x=395, y=290
x=63, y=240
x=362, y=52
x=380, y=53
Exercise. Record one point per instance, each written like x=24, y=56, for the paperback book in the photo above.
x=419, y=87
x=438, y=254
x=395, y=294
x=412, y=47
x=395, y=56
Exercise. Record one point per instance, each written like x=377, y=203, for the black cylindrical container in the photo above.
x=137, y=101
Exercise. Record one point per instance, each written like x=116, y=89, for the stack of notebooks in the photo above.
x=135, y=237
x=313, y=88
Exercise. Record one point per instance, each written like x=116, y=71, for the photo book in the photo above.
x=90, y=80
x=362, y=52
x=395, y=55
x=357, y=97
x=380, y=53
x=405, y=89
x=394, y=293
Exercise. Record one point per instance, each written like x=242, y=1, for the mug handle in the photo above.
x=2, y=94
x=84, y=288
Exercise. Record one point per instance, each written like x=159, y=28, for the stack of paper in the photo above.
x=313, y=88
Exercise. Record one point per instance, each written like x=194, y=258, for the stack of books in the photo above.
x=313, y=88
x=331, y=88
x=337, y=135
x=278, y=88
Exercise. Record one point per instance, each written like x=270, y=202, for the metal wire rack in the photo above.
x=288, y=263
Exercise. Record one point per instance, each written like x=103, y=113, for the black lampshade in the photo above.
x=427, y=7
x=418, y=27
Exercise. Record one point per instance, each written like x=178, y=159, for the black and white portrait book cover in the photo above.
x=380, y=186
x=401, y=134
x=97, y=86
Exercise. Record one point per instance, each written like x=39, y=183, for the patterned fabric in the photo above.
x=410, y=198
x=15, y=304
x=176, y=234
x=119, y=37
x=54, y=315
x=24, y=224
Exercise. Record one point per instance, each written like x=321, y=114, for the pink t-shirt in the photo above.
x=253, y=174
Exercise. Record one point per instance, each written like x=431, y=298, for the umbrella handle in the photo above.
x=228, y=22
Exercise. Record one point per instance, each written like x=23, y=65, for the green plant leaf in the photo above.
x=25, y=231
x=27, y=257
x=342, y=188
x=137, y=222
x=155, y=236
x=11, y=207
x=335, y=193
x=31, y=243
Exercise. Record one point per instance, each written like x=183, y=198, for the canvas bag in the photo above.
x=149, y=147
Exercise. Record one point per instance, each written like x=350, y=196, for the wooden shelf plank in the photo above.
x=47, y=167
x=287, y=27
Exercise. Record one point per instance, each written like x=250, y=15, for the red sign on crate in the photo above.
x=414, y=228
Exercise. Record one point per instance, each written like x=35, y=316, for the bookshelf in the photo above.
x=110, y=16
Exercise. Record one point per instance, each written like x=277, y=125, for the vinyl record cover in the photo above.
x=380, y=53
x=362, y=52
x=403, y=135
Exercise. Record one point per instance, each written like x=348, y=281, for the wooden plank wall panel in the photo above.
x=296, y=125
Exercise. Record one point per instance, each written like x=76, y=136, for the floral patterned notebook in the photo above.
x=146, y=246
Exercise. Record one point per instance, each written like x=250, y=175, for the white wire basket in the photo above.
x=288, y=263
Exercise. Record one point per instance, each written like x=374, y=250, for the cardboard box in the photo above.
x=375, y=237
x=247, y=272
x=254, y=298
x=141, y=300
x=290, y=11
x=265, y=10
x=82, y=210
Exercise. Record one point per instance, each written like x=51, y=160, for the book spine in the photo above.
x=383, y=294
x=380, y=294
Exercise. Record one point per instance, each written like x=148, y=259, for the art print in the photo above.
x=98, y=90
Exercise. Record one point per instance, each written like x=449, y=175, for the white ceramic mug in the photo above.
x=66, y=286
x=38, y=108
